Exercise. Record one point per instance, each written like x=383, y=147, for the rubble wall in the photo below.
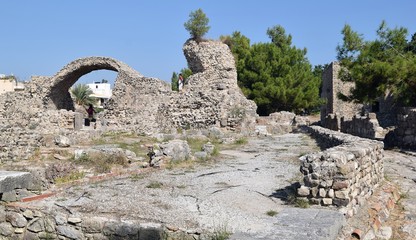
x=343, y=175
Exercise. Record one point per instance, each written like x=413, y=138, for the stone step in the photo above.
x=11, y=180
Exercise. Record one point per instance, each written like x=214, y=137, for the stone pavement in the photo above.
x=400, y=168
x=234, y=192
x=297, y=223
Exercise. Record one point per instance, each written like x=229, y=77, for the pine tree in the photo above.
x=197, y=25
x=385, y=64
x=275, y=75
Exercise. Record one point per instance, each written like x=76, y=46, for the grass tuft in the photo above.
x=271, y=213
x=155, y=185
x=220, y=234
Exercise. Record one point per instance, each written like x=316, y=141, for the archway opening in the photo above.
x=91, y=92
x=99, y=85
x=73, y=72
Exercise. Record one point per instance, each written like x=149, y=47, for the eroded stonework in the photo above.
x=139, y=104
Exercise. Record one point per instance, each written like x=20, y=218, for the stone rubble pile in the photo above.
x=343, y=175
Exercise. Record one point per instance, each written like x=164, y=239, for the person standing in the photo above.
x=180, y=82
x=91, y=112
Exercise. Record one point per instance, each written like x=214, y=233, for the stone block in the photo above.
x=303, y=191
x=150, y=231
x=10, y=180
x=314, y=191
x=337, y=185
x=342, y=194
x=341, y=202
x=322, y=192
x=9, y=196
x=316, y=201
x=331, y=193
x=327, y=201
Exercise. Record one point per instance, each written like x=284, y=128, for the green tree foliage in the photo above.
x=412, y=44
x=276, y=75
x=174, y=82
x=318, y=70
x=186, y=72
x=197, y=25
x=387, y=63
x=81, y=95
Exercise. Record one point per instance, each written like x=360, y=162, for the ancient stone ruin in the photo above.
x=344, y=174
x=384, y=120
x=139, y=104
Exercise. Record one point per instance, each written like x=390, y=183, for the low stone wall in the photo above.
x=343, y=175
x=331, y=121
x=279, y=123
x=20, y=141
x=404, y=135
x=17, y=143
x=29, y=223
x=363, y=126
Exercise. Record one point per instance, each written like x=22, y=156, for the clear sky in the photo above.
x=41, y=37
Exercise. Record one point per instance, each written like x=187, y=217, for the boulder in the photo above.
x=177, y=150
x=62, y=141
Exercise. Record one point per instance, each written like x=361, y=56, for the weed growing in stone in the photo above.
x=301, y=203
x=136, y=177
x=241, y=141
x=187, y=164
x=101, y=162
x=404, y=195
x=271, y=213
x=69, y=178
x=220, y=234
x=155, y=185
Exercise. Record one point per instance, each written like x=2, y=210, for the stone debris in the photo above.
x=62, y=141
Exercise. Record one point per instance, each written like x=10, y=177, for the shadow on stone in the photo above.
x=287, y=194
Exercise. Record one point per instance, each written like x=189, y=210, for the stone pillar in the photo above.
x=78, y=121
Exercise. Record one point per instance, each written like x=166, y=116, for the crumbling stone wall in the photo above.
x=331, y=86
x=31, y=223
x=343, y=175
x=212, y=96
x=280, y=123
x=139, y=104
x=404, y=135
x=135, y=103
x=363, y=126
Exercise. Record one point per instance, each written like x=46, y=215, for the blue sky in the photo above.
x=41, y=37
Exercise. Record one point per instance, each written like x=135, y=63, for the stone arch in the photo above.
x=58, y=95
